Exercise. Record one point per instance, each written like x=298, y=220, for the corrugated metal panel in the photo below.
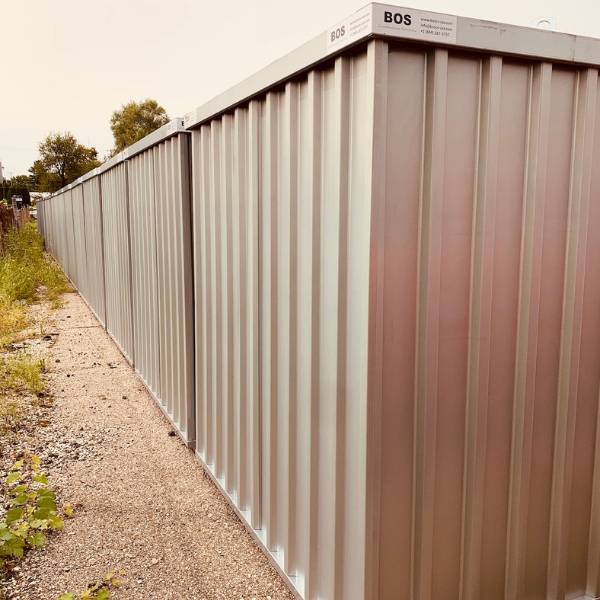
x=490, y=339
x=146, y=319
x=69, y=249
x=94, y=247
x=117, y=258
x=171, y=164
x=40, y=218
x=57, y=230
x=50, y=225
x=61, y=233
x=292, y=160
x=79, y=242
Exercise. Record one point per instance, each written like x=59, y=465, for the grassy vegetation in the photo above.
x=28, y=509
x=27, y=275
x=20, y=373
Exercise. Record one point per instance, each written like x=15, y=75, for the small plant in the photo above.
x=31, y=511
x=98, y=591
x=10, y=413
x=13, y=318
x=21, y=373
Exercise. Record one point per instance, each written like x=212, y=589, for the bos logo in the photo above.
x=397, y=18
x=338, y=33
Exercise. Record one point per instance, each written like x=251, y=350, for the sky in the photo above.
x=66, y=65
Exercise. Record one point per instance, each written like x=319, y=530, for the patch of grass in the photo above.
x=10, y=413
x=13, y=318
x=27, y=273
x=21, y=373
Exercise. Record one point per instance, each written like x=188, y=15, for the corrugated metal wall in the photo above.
x=40, y=218
x=94, y=247
x=286, y=452
x=61, y=232
x=159, y=196
x=395, y=322
x=175, y=281
x=117, y=257
x=146, y=319
x=491, y=354
x=79, y=242
x=70, y=256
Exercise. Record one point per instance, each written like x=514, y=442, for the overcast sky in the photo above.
x=67, y=64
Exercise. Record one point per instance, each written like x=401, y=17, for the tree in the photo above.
x=43, y=179
x=19, y=185
x=136, y=120
x=62, y=160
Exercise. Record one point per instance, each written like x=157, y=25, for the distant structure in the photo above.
x=1, y=174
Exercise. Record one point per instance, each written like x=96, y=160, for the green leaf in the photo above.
x=13, y=477
x=13, y=547
x=17, y=466
x=45, y=493
x=102, y=594
x=19, y=489
x=14, y=514
x=67, y=596
x=46, y=502
x=41, y=478
x=21, y=530
x=36, y=540
x=5, y=534
x=19, y=500
x=38, y=523
x=56, y=523
x=68, y=510
x=42, y=514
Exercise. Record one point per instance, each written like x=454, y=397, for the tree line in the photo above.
x=62, y=159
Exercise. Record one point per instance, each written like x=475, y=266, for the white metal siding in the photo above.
x=146, y=320
x=286, y=303
x=115, y=220
x=174, y=281
x=94, y=247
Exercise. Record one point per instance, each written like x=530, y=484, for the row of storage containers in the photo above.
x=362, y=285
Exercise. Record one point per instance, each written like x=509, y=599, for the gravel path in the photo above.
x=143, y=504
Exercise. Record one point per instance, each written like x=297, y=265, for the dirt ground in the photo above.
x=143, y=506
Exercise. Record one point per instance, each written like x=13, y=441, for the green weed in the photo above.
x=97, y=591
x=13, y=318
x=31, y=512
x=20, y=373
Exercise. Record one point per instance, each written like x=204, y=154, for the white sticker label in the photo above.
x=414, y=24
x=350, y=29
